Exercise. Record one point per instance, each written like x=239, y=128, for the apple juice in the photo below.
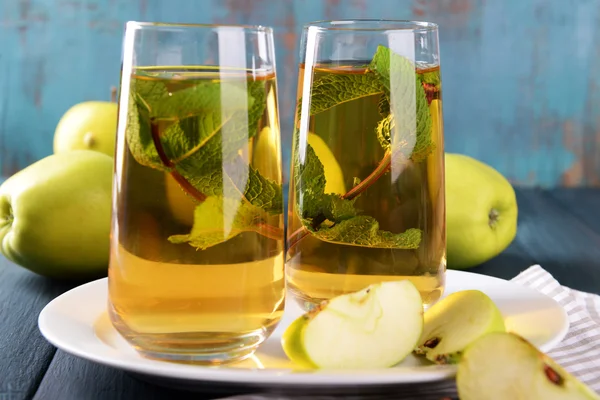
x=196, y=264
x=362, y=209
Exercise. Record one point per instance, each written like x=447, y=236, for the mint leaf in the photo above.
x=256, y=89
x=309, y=174
x=234, y=179
x=408, y=129
x=421, y=148
x=257, y=190
x=383, y=130
x=184, y=100
x=335, y=208
x=332, y=90
x=364, y=231
x=330, y=206
x=139, y=136
x=209, y=227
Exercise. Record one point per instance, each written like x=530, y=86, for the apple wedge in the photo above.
x=376, y=327
x=505, y=366
x=456, y=321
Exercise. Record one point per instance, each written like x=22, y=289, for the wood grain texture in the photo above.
x=521, y=89
x=584, y=203
x=24, y=353
x=72, y=378
x=553, y=234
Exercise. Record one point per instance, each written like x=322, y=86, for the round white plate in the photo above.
x=77, y=323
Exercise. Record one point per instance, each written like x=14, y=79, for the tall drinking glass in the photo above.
x=367, y=172
x=196, y=265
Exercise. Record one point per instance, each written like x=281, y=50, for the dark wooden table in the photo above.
x=559, y=229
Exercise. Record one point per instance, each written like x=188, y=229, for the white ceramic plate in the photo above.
x=77, y=323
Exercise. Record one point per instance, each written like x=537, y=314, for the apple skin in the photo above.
x=292, y=343
x=55, y=215
x=334, y=176
x=181, y=205
x=473, y=191
x=91, y=125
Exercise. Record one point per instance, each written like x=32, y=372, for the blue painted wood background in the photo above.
x=521, y=77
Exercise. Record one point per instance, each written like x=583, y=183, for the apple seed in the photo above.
x=493, y=216
x=431, y=343
x=553, y=376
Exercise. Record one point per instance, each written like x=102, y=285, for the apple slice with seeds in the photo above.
x=500, y=366
x=456, y=321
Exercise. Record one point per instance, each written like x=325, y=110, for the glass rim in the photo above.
x=170, y=25
x=354, y=25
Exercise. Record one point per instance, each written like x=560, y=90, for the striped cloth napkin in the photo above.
x=578, y=353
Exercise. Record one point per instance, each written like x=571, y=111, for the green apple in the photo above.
x=266, y=154
x=334, y=177
x=481, y=212
x=55, y=215
x=91, y=125
x=181, y=204
x=501, y=366
x=376, y=327
x=454, y=322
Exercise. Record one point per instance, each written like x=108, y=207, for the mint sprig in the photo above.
x=209, y=230
x=195, y=132
x=363, y=230
x=404, y=132
x=334, y=218
x=332, y=90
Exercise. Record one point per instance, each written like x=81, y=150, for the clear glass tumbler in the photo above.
x=196, y=267
x=367, y=173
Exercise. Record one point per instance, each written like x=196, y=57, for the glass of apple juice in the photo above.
x=367, y=171
x=197, y=245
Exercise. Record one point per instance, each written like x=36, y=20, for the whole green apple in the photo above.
x=55, y=215
x=91, y=125
x=481, y=212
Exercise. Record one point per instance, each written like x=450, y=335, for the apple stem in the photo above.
x=272, y=232
x=431, y=92
x=493, y=217
x=6, y=212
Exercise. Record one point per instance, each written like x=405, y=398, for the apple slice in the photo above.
x=454, y=322
x=506, y=366
x=375, y=327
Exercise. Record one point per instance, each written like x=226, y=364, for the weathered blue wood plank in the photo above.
x=521, y=90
